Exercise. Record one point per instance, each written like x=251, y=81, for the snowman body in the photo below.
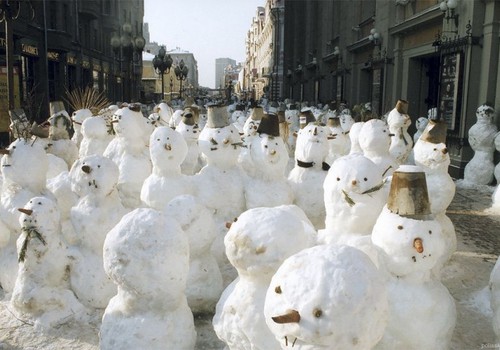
x=147, y=256
x=41, y=292
x=354, y=138
x=78, y=117
x=256, y=244
x=309, y=173
x=401, y=142
x=192, y=162
x=95, y=137
x=338, y=142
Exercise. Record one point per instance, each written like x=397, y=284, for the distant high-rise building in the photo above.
x=220, y=66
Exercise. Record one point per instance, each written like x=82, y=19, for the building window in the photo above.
x=53, y=78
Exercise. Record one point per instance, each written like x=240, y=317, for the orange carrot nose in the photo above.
x=25, y=211
x=226, y=141
x=445, y=150
x=354, y=182
x=86, y=169
x=418, y=245
x=168, y=147
x=292, y=316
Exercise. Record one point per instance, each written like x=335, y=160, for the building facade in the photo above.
x=220, y=67
x=424, y=51
x=59, y=46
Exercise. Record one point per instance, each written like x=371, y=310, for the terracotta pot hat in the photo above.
x=333, y=121
x=217, y=116
x=257, y=113
x=269, y=125
x=408, y=194
x=435, y=131
x=188, y=116
x=402, y=106
x=306, y=116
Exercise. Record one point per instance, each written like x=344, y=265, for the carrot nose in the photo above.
x=4, y=151
x=354, y=182
x=418, y=245
x=25, y=211
x=445, y=150
x=168, y=147
x=315, y=131
x=292, y=316
x=86, y=169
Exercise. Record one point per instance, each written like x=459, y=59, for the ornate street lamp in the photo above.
x=181, y=72
x=171, y=87
x=162, y=64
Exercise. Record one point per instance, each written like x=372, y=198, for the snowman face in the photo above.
x=220, y=145
x=421, y=123
x=40, y=213
x=250, y=127
x=79, y=116
x=431, y=155
x=189, y=132
x=95, y=175
x=94, y=127
x=167, y=147
x=269, y=152
x=327, y=296
x=346, y=121
x=398, y=120
x=22, y=155
x=485, y=113
x=375, y=136
x=410, y=245
x=292, y=116
x=60, y=126
x=312, y=144
x=352, y=173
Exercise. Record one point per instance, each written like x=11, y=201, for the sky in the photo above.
x=209, y=29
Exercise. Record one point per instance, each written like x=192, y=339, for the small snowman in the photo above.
x=147, y=255
x=327, y=297
x=375, y=142
x=98, y=210
x=95, y=137
x=130, y=153
x=256, y=245
x=190, y=130
x=422, y=122
x=78, y=117
x=24, y=173
x=266, y=185
x=239, y=117
x=252, y=123
x=346, y=119
x=410, y=242
x=61, y=131
x=338, y=139
x=168, y=149
x=204, y=282
x=292, y=119
x=354, y=138
x=401, y=142
x=309, y=173
x=480, y=169
x=220, y=183
x=354, y=195
x=41, y=292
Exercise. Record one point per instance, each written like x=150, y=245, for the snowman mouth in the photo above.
x=287, y=342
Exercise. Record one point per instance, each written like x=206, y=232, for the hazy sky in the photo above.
x=209, y=29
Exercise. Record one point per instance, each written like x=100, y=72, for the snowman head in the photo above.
x=353, y=173
x=79, y=116
x=220, y=146
x=94, y=128
x=375, y=136
x=94, y=175
x=421, y=123
x=431, y=156
x=328, y=296
x=485, y=113
x=61, y=127
x=269, y=154
x=167, y=148
x=262, y=238
x=190, y=132
x=312, y=144
x=41, y=214
x=128, y=123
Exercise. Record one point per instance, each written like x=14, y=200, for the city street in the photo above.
x=466, y=276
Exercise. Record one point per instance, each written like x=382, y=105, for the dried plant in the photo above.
x=87, y=98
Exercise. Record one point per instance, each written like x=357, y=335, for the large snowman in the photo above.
x=204, y=282
x=309, y=173
x=147, y=255
x=327, y=297
x=220, y=183
x=41, y=293
x=168, y=149
x=401, y=142
x=480, y=169
x=266, y=185
x=97, y=211
x=24, y=173
x=422, y=312
x=256, y=244
x=354, y=194
x=130, y=153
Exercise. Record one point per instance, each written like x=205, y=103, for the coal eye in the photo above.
x=317, y=313
x=39, y=203
x=365, y=179
x=13, y=147
x=400, y=227
x=430, y=232
x=157, y=139
x=265, y=146
x=98, y=166
x=435, y=149
x=277, y=290
x=338, y=178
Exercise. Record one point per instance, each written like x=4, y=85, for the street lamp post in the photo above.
x=162, y=64
x=171, y=87
x=181, y=72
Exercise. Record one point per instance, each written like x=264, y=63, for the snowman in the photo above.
x=327, y=297
x=24, y=168
x=190, y=130
x=422, y=122
x=59, y=141
x=401, y=142
x=354, y=195
x=147, y=256
x=375, y=142
x=98, y=210
x=256, y=245
x=220, y=183
x=252, y=123
x=354, y=131
x=95, y=137
x=41, y=293
x=78, y=117
x=204, y=282
x=309, y=173
x=292, y=119
x=338, y=139
x=411, y=243
x=168, y=149
x=480, y=169
x=346, y=119
x=266, y=185
x=239, y=117
x=130, y=153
